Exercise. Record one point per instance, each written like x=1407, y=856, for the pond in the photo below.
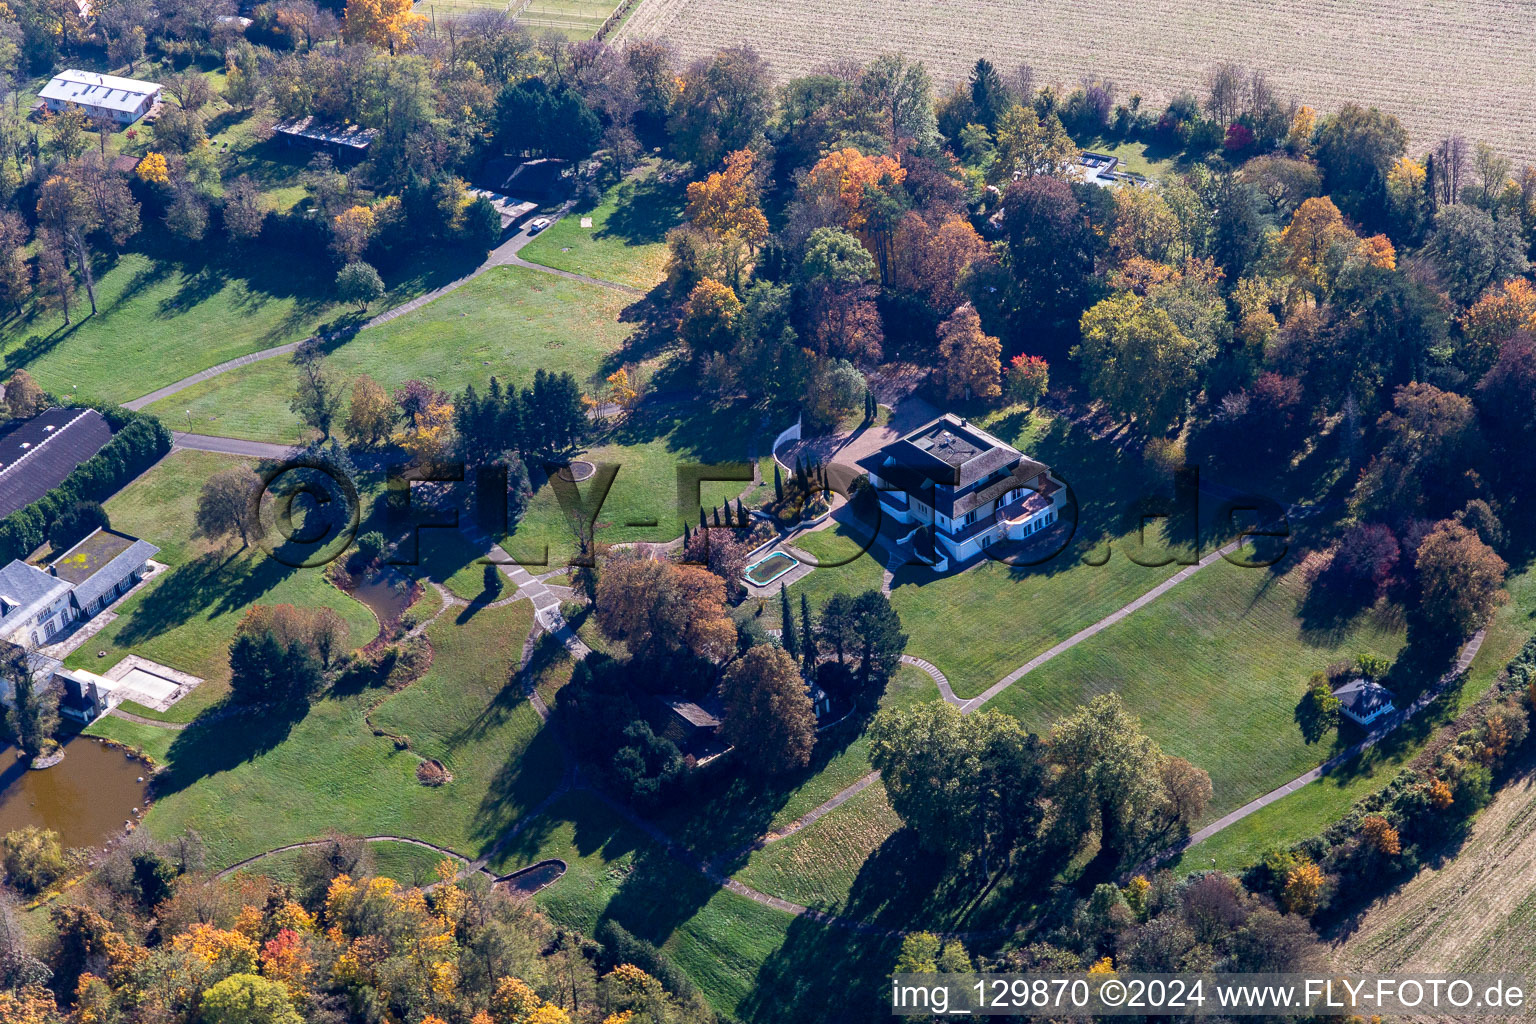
x=85, y=798
x=769, y=568
x=385, y=597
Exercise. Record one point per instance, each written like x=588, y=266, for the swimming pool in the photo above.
x=769, y=568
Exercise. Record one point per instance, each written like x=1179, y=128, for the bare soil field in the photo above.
x=1444, y=66
x=1472, y=915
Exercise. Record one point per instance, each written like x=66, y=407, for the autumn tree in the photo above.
x=386, y=24
x=226, y=505
x=1316, y=242
x=724, y=207
x=1380, y=836
x=1029, y=377
x=970, y=358
x=430, y=438
x=711, y=321
x=1501, y=312
x=932, y=260
x=656, y=607
x=769, y=718
x=351, y=230
x=1304, y=889
x=371, y=414
x=861, y=194
x=1460, y=580
x=1137, y=361
x=24, y=398
x=1187, y=788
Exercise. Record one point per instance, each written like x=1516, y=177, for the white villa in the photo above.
x=37, y=606
x=961, y=490
x=124, y=100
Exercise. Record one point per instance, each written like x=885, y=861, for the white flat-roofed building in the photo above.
x=124, y=100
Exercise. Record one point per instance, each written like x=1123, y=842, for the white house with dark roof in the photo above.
x=37, y=606
x=1364, y=700
x=123, y=100
x=962, y=490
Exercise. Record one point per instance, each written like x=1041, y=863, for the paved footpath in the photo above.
x=504, y=255
x=1463, y=662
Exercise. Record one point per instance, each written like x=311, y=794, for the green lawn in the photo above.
x=506, y=323
x=649, y=450
x=1214, y=668
x=162, y=317
x=187, y=617
x=248, y=785
x=627, y=240
x=1309, y=810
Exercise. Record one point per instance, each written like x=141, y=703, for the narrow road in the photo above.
x=231, y=446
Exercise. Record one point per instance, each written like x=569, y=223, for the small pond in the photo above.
x=769, y=568
x=386, y=595
x=85, y=798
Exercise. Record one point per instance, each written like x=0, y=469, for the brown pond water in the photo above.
x=382, y=597
x=85, y=798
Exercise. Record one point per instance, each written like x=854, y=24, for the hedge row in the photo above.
x=139, y=441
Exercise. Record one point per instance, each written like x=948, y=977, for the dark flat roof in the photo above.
x=88, y=557
x=37, y=454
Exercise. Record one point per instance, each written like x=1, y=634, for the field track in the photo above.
x=1443, y=66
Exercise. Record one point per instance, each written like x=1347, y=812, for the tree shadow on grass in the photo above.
x=519, y=785
x=824, y=972
x=214, y=582
x=214, y=744
x=645, y=209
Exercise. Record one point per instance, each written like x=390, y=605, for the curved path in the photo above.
x=408, y=840
x=1463, y=662
x=504, y=255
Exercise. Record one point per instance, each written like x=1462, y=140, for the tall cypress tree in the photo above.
x=778, y=483
x=741, y=514
x=808, y=635
x=790, y=641
x=703, y=523
x=717, y=516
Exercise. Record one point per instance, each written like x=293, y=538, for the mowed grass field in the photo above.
x=627, y=242
x=161, y=319
x=1455, y=67
x=186, y=617
x=505, y=323
x=250, y=784
x=1309, y=810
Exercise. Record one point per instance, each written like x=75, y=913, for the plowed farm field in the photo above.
x=1442, y=66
